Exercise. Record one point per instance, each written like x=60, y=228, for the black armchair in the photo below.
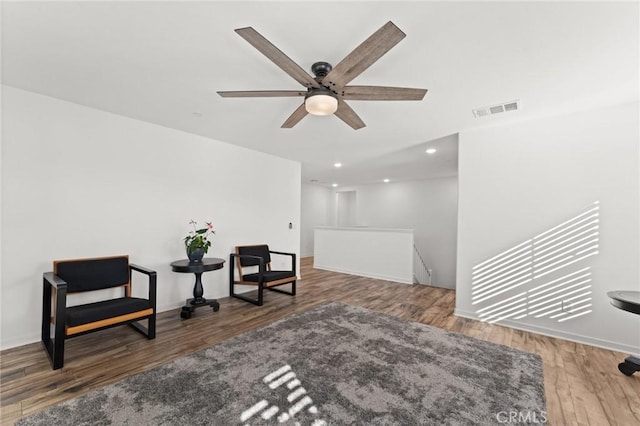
x=84, y=275
x=260, y=256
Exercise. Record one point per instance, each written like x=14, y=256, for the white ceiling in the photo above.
x=162, y=62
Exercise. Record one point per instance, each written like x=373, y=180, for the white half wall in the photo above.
x=79, y=182
x=385, y=254
x=518, y=181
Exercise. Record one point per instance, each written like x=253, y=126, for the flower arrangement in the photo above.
x=198, y=238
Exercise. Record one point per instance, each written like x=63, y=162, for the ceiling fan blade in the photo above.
x=349, y=116
x=262, y=93
x=363, y=56
x=276, y=56
x=381, y=93
x=295, y=118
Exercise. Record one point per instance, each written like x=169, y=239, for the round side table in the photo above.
x=627, y=301
x=197, y=268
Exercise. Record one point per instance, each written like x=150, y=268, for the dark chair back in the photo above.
x=93, y=274
x=258, y=250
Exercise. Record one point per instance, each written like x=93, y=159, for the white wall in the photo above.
x=315, y=211
x=520, y=180
x=429, y=207
x=78, y=182
x=346, y=208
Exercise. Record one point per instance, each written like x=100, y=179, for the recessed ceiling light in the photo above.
x=337, y=164
x=386, y=180
x=431, y=151
x=334, y=185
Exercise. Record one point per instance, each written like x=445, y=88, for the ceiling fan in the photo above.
x=326, y=93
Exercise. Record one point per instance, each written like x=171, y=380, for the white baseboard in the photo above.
x=400, y=280
x=22, y=341
x=572, y=337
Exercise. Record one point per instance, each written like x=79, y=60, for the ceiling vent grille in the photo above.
x=496, y=109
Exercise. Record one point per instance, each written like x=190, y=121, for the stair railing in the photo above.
x=421, y=272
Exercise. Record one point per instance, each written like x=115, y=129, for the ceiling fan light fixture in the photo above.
x=321, y=102
x=327, y=92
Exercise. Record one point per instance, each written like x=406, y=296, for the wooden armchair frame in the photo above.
x=72, y=321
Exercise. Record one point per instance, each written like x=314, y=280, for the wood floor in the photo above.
x=582, y=383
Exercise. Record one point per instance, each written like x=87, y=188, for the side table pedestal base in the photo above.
x=197, y=269
x=194, y=303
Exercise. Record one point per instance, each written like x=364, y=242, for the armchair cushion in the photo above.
x=269, y=276
x=98, y=311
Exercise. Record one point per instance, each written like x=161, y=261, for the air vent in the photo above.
x=496, y=109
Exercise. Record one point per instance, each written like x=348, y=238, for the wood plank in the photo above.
x=582, y=383
x=349, y=116
x=11, y=413
x=382, y=93
x=363, y=56
x=276, y=56
x=292, y=120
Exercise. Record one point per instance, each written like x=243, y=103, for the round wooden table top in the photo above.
x=207, y=264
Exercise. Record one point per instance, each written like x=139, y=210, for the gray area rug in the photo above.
x=335, y=364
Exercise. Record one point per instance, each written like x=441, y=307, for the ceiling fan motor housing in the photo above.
x=314, y=91
x=321, y=69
